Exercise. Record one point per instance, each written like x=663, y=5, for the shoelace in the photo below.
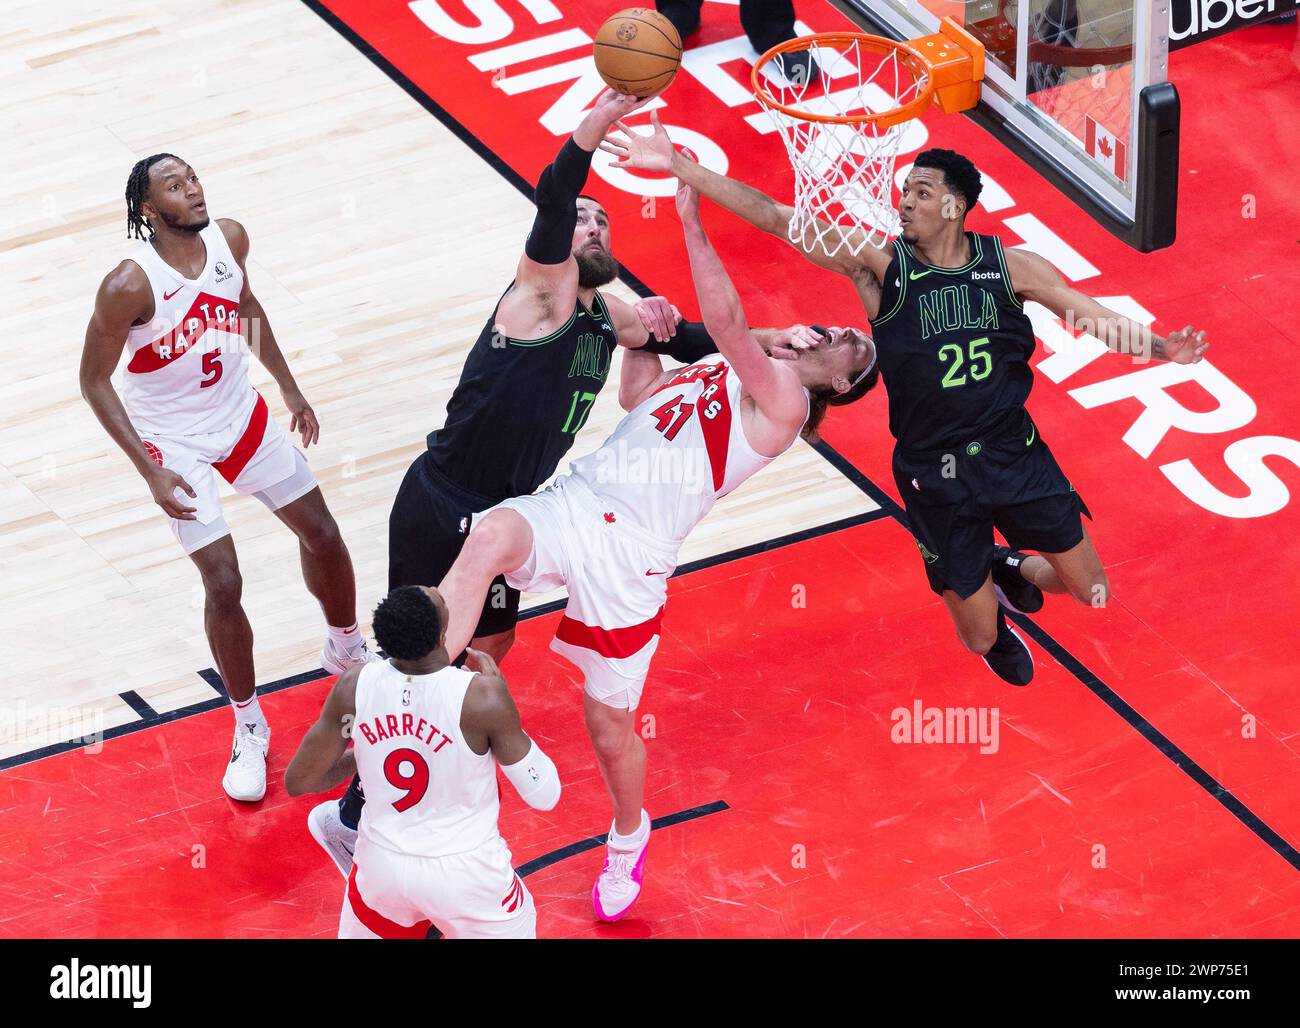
x=619, y=866
x=247, y=735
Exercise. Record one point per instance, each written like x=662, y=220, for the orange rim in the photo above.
x=911, y=59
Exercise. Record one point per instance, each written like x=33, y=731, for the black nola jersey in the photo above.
x=954, y=346
x=520, y=402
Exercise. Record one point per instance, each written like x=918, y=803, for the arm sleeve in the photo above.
x=691, y=343
x=535, y=779
x=551, y=238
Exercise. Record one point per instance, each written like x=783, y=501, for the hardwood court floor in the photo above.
x=380, y=244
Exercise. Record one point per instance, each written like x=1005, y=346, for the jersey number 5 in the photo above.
x=416, y=783
x=981, y=364
x=211, y=366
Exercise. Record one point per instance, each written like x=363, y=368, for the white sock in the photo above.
x=249, y=712
x=634, y=841
x=346, y=640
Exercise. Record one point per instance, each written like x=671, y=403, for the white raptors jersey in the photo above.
x=187, y=367
x=675, y=454
x=427, y=793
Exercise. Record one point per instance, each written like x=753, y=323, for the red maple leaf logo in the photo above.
x=609, y=518
x=1103, y=145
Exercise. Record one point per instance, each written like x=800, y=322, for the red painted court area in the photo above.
x=782, y=713
x=1146, y=784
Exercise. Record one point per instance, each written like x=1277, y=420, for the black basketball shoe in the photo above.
x=1010, y=658
x=1013, y=589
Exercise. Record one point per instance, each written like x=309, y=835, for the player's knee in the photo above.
x=609, y=740
x=223, y=586
x=496, y=646
x=322, y=536
x=978, y=640
x=488, y=542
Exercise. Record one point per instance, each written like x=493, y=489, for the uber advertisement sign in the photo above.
x=1190, y=21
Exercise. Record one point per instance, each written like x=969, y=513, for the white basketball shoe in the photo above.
x=245, y=777
x=334, y=837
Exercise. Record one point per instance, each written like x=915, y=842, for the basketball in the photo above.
x=638, y=51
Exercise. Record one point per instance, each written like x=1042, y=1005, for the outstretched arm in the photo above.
x=656, y=153
x=546, y=281
x=1034, y=278
x=773, y=386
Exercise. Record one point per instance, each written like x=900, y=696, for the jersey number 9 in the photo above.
x=416, y=784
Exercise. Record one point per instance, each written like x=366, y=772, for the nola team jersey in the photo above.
x=676, y=453
x=187, y=367
x=954, y=346
x=427, y=793
x=520, y=402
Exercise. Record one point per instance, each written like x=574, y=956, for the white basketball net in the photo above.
x=843, y=172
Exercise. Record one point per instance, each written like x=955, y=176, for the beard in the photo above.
x=184, y=226
x=595, y=268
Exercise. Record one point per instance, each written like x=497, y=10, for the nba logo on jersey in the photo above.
x=464, y=525
x=406, y=696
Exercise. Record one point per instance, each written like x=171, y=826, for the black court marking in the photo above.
x=1199, y=775
x=156, y=717
x=1100, y=689
x=213, y=679
x=137, y=703
x=829, y=528
x=596, y=841
x=1148, y=731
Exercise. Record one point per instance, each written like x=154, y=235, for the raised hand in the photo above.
x=477, y=660
x=651, y=153
x=659, y=317
x=1185, y=346
x=612, y=105
x=688, y=203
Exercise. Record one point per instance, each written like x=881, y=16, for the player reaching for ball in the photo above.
x=947, y=313
x=611, y=529
x=188, y=412
x=427, y=739
x=528, y=385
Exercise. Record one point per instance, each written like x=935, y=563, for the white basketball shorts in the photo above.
x=617, y=579
x=257, y=459
x=474, y=895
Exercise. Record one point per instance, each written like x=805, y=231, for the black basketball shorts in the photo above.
x=956, y=497
x=428, y=526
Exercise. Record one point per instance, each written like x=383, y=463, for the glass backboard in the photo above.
x=1080, y=89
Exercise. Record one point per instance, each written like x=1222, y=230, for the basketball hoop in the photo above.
x=843, y=127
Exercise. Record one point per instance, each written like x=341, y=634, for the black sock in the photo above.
x=350, y=804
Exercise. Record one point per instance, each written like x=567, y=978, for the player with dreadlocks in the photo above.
x=179, y=303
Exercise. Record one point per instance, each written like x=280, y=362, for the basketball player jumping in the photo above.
x=427, y=738
x=611, y=529
x=528, y=385
x=178, y=303
x=947, y=311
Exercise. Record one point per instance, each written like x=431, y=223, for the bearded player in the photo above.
x=613, y=539
x=528, y=385
x=947, y=313
x=188, y=412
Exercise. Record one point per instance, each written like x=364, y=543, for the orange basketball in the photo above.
x=638, y=51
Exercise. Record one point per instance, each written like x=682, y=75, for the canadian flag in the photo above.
x=1106, y=148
